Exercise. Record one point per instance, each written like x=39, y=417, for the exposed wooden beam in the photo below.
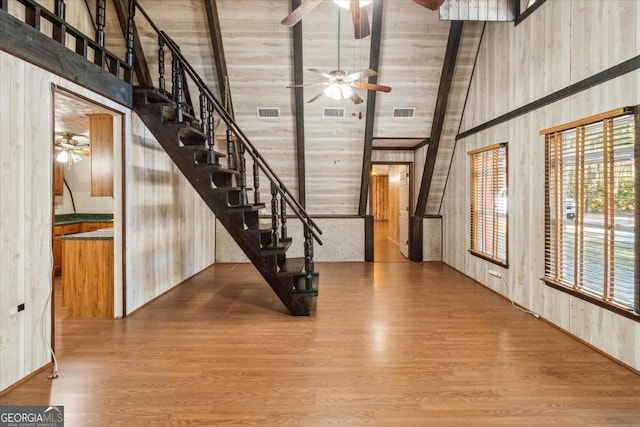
x=29, y=44
x=140, y=65
x=374, y=62
x=453, y=43
x=219, y=57
x=296, y=33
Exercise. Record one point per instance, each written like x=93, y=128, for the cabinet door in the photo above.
x=57, y=250
x=101, y=137
x=58, y=178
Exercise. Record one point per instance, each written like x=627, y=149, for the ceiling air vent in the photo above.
x=268, y=113
x=404, y=113
x=333, y=113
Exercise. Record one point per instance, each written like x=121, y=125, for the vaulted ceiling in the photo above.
x=260, y=59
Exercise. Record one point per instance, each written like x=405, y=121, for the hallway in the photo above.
x=385, y=249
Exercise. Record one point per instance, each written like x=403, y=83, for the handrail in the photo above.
x=297, y=208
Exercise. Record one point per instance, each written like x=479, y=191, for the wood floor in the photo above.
x=391, y=344
x=385, y=249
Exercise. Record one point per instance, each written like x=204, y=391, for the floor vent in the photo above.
x=404, y=113
x=333, y=113
x=268, y=113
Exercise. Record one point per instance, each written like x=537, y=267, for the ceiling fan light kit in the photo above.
x=70, y=150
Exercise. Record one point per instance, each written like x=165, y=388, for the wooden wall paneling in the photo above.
x=380, y=197
x=101, y=146
x=526, y=156
x=394, y=202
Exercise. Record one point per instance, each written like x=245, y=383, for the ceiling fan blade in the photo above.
x=430, y=4
x=298, y=13
x=362, y=74
x=315, y=98
x=309, y=84
x=356, y=99
x=325, y=75
x=360, y=20
x=370, y=86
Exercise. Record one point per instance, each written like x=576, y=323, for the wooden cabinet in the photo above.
x=87, y=282
x=57, y=250
x=58, y=178
x=93, y=226
x=101, y=136
x=63, y=230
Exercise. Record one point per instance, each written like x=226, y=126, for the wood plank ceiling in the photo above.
x=260, y=65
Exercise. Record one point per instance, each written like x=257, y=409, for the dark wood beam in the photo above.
x=296, y=33
x=594, y=80
x=140, y=65
x=453, y=43
x=374, y=62
x=217, y=46
x=25, y=42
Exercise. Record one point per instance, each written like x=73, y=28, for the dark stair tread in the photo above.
x=155, y=95
x=247, y=208
x=280, y=249
x=201, y=149
x=230, y=189
x=292, y=267
x=214, y=169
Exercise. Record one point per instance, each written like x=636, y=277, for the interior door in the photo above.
x=403, y=213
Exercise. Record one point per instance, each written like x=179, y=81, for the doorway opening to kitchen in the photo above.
x=87, y=208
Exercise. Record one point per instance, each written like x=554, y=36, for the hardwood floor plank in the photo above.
x=391, y=344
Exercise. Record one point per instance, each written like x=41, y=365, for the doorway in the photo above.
x=87, y=195
x=390, y=207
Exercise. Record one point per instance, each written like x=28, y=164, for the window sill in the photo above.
x=585, y=297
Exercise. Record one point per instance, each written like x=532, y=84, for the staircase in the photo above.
x=187, y=133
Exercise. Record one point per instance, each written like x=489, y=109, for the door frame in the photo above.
x=411, y=199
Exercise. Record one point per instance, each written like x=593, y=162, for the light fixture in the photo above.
x=75, y=157
x=338, y=91
x=346, y=3
x=62, y=157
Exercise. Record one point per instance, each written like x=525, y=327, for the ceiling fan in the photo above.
x=70, y=149
x=358, y=13
x=430, y=4
x=339, y=84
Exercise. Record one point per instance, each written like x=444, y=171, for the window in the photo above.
x=489, y=203
x=590, y=208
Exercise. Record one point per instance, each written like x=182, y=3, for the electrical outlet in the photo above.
x=20, y=307
x=495, y=273
x=520, y=278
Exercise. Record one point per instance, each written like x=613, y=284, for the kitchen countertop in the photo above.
x=64, y=219
x=102, y=234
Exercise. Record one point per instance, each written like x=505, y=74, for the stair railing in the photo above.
x=182, y=68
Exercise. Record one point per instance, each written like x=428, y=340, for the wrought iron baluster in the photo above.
x=308, y=253
x=204, y=126
x=211, y=138
x=256, y=182
x=275, y=238
x=177, y=89
x=242, y=176
x=231, y=151
x=100, y=21
x=283, y=217
x=161, y=83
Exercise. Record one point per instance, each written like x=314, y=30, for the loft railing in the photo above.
x=182, y=73
x=54, y=25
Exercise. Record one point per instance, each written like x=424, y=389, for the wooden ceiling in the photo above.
x=259, y=57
